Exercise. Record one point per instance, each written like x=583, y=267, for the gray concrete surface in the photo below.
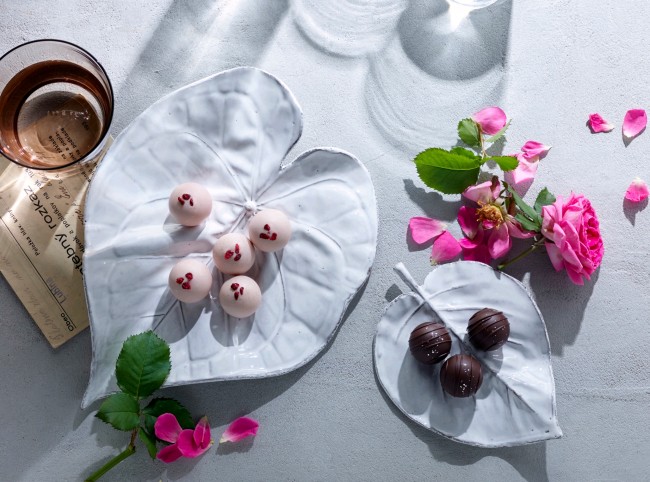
x=549, y=64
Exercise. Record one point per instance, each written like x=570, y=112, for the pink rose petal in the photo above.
x=522, y=177
x=424, y=229
x=475, y=251
x=240, y=429
x=467, y=221
x=516, y=231
x=491, y=120
x=188, y=446
x=485, y=192
x=445, y=248
x=167, y=427
x=637, y=192
x=634, y=122
x=169, y=454
x=202, y=433
x=598, y=124
x=534, y=149
x=499, y=242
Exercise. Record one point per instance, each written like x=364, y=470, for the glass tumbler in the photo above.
x=56, y=105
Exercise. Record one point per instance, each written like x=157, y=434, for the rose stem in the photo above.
x=130, y=450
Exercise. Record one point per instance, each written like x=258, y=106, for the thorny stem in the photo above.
x=537, y=244
x=130, y=450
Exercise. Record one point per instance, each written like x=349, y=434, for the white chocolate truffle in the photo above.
x=233, y=254
x=269, y=230
x=190, y=204
x=240, y=296
x=190, y=280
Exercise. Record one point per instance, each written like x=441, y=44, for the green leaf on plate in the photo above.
x=527, y=211
x=506, y=163
x=149, y=442
x=469, y=133
x=120, y=410
x=158, y=406
x=527, y=223
x=499, y=134
x=544, y=198
x=143, y=364
x=449, y=172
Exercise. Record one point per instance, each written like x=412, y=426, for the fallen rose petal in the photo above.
x=445, y=248
x=188, y=446
x=598, y=124
x=202, y=433
x=637, y=192
x=634, y=122
x=534, y=149
x=167, y=427
x=240, y=429
x=424, y=229
x=522, y=177
x=169, y=453
x=491, y=120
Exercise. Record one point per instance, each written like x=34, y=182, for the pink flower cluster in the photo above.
x=569, y=227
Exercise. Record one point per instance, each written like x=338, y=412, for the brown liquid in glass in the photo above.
x=52, y=114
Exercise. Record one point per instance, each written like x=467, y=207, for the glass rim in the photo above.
x=109, y=119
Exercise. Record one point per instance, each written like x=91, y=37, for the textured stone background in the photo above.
x=549, y=64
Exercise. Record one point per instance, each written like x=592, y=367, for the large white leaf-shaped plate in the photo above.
x=515, y=405
x=229, y=132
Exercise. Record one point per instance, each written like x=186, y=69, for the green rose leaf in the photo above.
x=120, y=410
x=544, y=198
x=469, y=133
x=449, y=172
x=499, y=134
x=526, y=210
x=527, y=223
x=506, y=163
x=143, y=364
x=158, y=406
x=149, y=442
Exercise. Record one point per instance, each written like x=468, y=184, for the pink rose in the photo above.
x=575, y=244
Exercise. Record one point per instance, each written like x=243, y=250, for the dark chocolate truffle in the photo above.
x=430, y=343
x=488, y=329
x=461, y=376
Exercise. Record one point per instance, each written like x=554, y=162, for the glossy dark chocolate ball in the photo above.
x=488, y=329
x=461, y=376
x=430, y=343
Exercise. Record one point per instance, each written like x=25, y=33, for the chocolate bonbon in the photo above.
x=488, y=329
x=190, y=280
x=190, y=204
x=240, y=296
x=461, y=376
x=233, y=253
x=269, y=230
x=430, y=342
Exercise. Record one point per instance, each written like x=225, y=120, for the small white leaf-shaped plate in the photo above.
x=229, y=132
x=515, y=405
